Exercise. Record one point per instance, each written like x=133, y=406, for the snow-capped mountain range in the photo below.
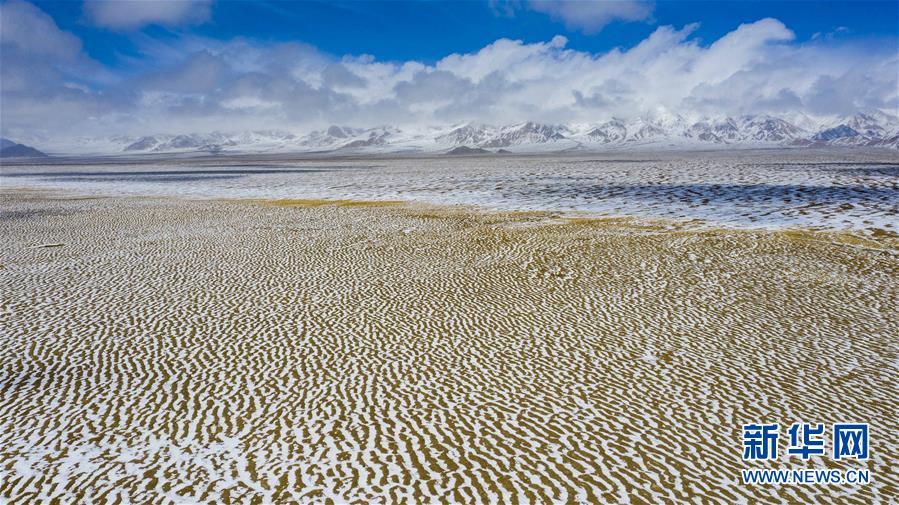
x=874, y=129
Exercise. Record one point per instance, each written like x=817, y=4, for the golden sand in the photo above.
x=303, y=351
x=294, y=202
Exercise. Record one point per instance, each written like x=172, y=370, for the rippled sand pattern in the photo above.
x=159, y=350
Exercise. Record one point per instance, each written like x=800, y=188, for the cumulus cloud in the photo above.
x=25, y=28
x=45, y=77
x=192, y=83
x=591, y=16
x=130, y=15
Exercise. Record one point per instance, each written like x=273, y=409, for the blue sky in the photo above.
x=104, y=67
x=430, y=30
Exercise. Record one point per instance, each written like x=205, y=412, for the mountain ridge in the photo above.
x=12, y=149
x=870, y=128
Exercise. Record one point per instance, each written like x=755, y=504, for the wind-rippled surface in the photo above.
x=176, y=351
x=849, y=190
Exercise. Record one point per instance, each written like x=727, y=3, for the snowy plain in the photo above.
x=840, y=189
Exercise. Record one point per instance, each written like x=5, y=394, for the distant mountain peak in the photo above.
x=463, y=150
x=837, y=132
x=11, y=149
x=665, y=129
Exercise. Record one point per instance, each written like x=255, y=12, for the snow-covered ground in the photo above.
x=836, y=189
x=158, y=350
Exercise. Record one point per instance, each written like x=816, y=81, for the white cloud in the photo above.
x=591, y=16
x=27, y=28
x=44, y=74
x=130, y=15
x=197, y=84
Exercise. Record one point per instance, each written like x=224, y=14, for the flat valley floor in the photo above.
x=166, y=350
